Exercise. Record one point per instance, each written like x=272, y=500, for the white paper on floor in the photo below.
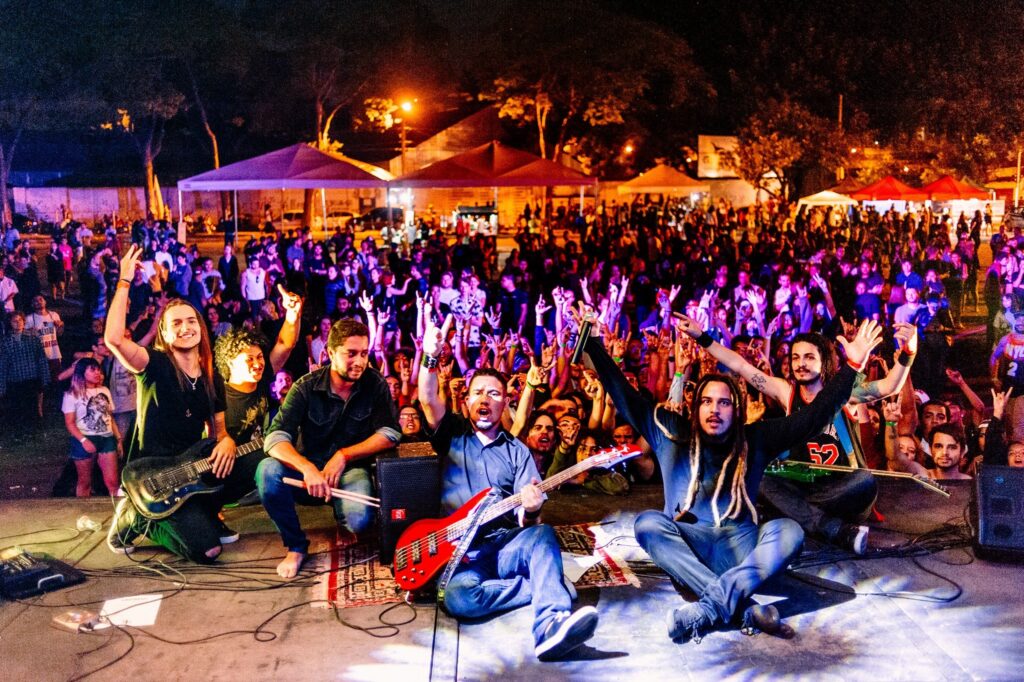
x=574, y=565
x=138, y=611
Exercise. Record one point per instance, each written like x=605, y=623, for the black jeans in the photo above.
x=823, y=506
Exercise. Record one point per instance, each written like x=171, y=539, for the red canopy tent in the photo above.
x=889, y=189
x=494, y=165
x=948, y=188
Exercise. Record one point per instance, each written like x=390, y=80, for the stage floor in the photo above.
x=878, y=619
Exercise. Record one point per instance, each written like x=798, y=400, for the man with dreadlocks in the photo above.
x=707, y=535
x=829, y=508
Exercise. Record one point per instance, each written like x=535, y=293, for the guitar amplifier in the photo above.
x=1000, y=511
x=410, y=489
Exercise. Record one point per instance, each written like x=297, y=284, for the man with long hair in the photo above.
x=177, y=405
x=707, y=535
x=828, y=509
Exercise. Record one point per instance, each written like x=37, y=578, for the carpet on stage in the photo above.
x=352, y=576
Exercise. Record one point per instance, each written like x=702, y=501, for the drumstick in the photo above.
x=340, y=494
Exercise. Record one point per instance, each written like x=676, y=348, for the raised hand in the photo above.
x=906, y=335
x=999, y=401
x=541, y=307
x=687, y=325
x=493, y=317
x=365, y=302
x=292, y=303
x=868, y=336
x=130, y=262
x=433, y=338
x=954, y=376
x=891, y=410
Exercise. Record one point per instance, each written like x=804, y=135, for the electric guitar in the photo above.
x=807, y=473
x=158, y=486
x=427, y=545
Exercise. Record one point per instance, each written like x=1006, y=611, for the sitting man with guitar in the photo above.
x=344, y=414
x=176, y=406
x=707, y=536
x=243, y=388
x=828, y=508
x=512, y=562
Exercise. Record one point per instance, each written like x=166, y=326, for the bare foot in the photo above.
x=290, y=565
x=346, y=538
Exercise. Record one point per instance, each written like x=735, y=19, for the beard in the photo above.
x=805, y=378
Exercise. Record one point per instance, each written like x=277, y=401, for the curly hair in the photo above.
x=233, y=342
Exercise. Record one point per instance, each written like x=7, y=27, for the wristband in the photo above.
x=533, y=386
x=429, y=362
x=122, y=279
x=680, y=375
x=705, y=340
x=905, y=358
x=617, y=360
x=890, y=423
x=531, y=515
x=83, y=440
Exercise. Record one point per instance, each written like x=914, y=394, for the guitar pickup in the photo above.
x=432, y=544
x=417, y=555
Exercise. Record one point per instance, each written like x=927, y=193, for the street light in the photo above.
x=405, y=106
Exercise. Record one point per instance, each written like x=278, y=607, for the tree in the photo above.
x=786, y=141
x=39, y=76
x=582, y=70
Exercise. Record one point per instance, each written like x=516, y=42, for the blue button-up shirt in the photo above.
x=469, y=466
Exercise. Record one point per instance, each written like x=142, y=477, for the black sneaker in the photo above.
x=124, y=534
x=766, y=619
x=566, y=632
x=853, y=538
x=227, y=535
x=688, y=622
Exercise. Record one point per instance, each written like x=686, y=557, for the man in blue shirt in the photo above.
x=512, y=562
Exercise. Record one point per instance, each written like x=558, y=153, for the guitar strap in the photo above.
x=475, y=520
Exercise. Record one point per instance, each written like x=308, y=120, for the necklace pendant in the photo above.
x=188, y=413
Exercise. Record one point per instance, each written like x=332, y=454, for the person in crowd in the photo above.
x=24, y=372
x=95, y=437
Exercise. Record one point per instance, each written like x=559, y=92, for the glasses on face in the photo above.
x=408, y=417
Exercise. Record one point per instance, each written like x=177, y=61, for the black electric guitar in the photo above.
x=158, y=486
x=806, y=472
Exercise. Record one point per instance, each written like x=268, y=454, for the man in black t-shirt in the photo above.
x=176, y=406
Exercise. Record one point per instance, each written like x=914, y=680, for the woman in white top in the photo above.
x=87, y=409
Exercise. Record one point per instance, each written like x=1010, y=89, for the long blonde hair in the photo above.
x=737, y=441
x=205, y=349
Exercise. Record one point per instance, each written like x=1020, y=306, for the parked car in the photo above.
x=1014, y=219
x=339, y=219
x=380, y=214
x=291, y=220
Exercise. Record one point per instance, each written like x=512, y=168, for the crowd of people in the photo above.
x=714, y=339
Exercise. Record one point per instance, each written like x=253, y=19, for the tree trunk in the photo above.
x=151, y=193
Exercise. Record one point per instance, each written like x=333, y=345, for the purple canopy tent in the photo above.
x=299, y=166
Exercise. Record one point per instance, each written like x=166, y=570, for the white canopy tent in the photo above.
x=827, y=198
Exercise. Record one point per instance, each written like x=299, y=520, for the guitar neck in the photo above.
x=931, y=485
x=204, y=465
x=515, y=501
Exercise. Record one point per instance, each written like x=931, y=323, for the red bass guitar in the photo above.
x=427, y=545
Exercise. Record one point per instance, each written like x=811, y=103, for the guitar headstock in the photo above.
x=932, y=484
x=611, y=456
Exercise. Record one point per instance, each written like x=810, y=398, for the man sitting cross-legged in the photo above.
x=512, y=562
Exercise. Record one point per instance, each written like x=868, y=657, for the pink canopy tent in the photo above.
x=300, y=166
x=888, y=189
x=948, y=188
x=494, y=165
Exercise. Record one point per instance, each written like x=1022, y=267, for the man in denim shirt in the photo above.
x=344, y=415
x=512, y=561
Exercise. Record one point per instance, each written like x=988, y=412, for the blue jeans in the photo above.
x=280, y=499
x=513, y=569
x=723, y=566
x=822, y=507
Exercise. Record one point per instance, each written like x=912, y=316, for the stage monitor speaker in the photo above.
x=410, y=490
x=1000, y=510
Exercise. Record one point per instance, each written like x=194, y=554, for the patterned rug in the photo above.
x=352, y=575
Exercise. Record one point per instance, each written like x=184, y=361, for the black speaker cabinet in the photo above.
x=410, y=490
x=1000, y=509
